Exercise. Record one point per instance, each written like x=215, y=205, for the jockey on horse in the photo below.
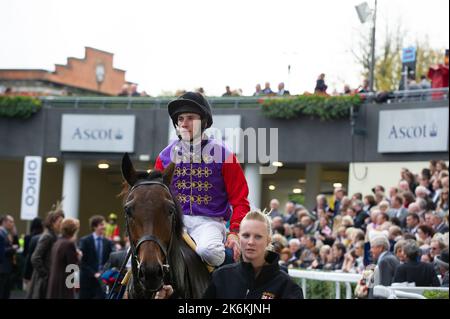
x=208, y=181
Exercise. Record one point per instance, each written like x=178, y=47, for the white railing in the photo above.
x=395, y=291
x=336, y=277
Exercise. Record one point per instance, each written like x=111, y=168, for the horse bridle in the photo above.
x=135, y=248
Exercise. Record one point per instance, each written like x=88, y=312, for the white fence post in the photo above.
x=304, y=287
x=348, y=291
x=338, y=290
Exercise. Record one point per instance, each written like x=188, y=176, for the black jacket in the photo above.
x=237, y=281
x=28, y=267
x=422, y=274
x=90, y=287
x=116, y=259
x=6, y=253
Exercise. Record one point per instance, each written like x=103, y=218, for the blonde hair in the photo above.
x=262, y=217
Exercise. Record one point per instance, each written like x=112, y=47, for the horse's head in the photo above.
x=153, y=219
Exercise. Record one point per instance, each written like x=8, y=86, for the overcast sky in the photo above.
x=169, y=45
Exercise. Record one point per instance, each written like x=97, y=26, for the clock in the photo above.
x=100, y=73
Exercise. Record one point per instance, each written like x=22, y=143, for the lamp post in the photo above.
x=364, y=12
x=372, y=62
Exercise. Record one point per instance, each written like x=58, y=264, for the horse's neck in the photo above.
x=188, y=271
x=178, y=268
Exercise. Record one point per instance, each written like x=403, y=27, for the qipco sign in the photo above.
x=31, y=187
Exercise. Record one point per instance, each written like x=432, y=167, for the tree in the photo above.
x=388, y=63
x=426, y=56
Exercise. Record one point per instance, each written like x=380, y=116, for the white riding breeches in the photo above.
x=209, y=234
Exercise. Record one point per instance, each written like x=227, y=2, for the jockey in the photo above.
x=208, y=181
x=112, y=229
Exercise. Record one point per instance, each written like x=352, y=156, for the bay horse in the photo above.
x=154, y=222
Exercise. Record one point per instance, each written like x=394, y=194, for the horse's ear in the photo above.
x=168, y=174
x=128, y=171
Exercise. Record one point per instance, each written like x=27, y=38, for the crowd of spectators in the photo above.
x=404, y=226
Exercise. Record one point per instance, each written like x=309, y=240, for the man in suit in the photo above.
x=281, y=90
x=397, y=210
x=438, y=222
x=361, y=215
x=96, y=250
x=116, y=258
x=413, y=270
x=339, y=194
x=412, y=222
x=290, y=216
x=386, y=263
x=7, y=251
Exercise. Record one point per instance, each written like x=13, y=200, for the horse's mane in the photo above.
x=150, y=176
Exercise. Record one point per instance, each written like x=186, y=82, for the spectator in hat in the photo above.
x=41, y=258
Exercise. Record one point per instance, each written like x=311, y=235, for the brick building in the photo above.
x=92, y=75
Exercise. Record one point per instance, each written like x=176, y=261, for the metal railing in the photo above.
x=224, y=102
x=141, y=102
x=336, y=277
x=392, y=292
x=407, y=96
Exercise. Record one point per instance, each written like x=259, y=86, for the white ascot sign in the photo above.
x=420, y=130
x=31, y=187
x=97, y=133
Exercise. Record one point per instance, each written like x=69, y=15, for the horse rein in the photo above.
x=135, y=248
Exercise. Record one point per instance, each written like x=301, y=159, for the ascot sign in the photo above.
x=97, y=133
x=420, y=130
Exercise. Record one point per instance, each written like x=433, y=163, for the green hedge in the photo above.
x=429, y=294
x=315, y=106
x=19, y=106
x=316, y=289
